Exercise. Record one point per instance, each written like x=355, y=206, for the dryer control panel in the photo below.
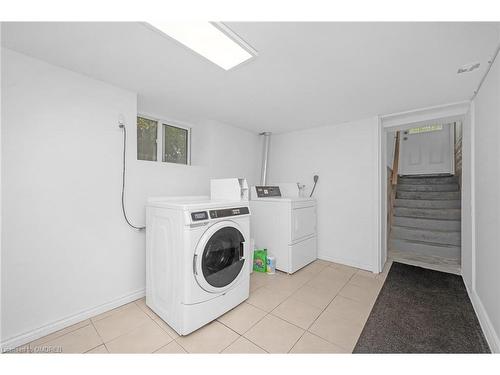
x=268, y=191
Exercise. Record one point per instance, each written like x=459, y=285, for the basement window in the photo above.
x=159, y=141
x=147, y=133
x=175, y=144
x=425, y=129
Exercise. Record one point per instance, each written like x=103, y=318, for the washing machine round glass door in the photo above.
x=219, y=257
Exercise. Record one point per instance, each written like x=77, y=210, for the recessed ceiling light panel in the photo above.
x=213, y=40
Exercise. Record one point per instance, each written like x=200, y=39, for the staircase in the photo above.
x=425, y=229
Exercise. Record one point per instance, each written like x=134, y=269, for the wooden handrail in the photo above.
x=391, y=185
x=395, y=162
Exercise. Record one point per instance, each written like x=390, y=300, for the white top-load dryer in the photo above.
x=285, y=225
x=197, y=259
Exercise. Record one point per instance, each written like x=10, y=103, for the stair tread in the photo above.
x=427, y=223
x=433, y=208
x=439, y=180
x=418, y=217
x=431, y=219
x=436, y=244
x=426, y=230
x=426, y=212
x=428, y=195
x=430, y=185
x=423, y=203
x=425, y=200
x=417, y=176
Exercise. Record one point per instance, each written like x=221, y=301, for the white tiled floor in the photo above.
x=319, y=309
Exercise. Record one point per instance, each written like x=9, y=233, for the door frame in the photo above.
x=444, y=113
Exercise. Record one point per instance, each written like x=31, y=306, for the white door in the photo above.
x=427, y=150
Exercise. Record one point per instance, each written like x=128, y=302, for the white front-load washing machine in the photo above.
x=197, y=259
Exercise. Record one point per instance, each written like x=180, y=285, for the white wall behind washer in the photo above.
x=345, y=156
x=67, y=253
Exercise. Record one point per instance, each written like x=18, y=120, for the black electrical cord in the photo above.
x=123, y=178
x=316, y=177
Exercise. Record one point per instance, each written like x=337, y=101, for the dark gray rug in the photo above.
x=422, y=311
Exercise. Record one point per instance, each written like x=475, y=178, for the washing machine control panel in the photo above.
x=217, y=214
x=226, y=212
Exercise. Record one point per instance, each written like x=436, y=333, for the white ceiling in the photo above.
x=305, y=74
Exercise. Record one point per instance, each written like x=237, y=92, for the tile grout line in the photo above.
x=98, y=334
x=349, y=279
x=242, y=335
x=270, y=313
x=44, y=343
x=322, y=311
x=123, y=334
x=307, y=330
x=383, y=282
x=156, y=323
x=178, y=343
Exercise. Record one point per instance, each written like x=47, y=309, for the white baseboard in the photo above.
x=367, y=267
x=24, y=338
x=484, y=320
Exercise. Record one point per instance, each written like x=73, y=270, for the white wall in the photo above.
x=66, y=250
x=467, y=196
x=487, y=204
x=345, y=156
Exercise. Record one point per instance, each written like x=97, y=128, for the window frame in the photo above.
x=188, y=142
x=159, y=138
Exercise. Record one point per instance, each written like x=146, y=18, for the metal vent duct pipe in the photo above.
x=265, y=157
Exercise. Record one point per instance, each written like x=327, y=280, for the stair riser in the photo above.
x=447, y=214
x=430, y=188
x=444, y=238
x=443, y=225
x=427, y=181
x=452, y=252
x=416, y=203
x=428, y=195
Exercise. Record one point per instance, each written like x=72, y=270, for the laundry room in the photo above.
x=207, y=187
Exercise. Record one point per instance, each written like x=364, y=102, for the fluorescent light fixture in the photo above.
x=213, y=40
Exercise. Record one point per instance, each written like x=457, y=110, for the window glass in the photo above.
x=425, y=129
x=175, y=144
x=147, y=132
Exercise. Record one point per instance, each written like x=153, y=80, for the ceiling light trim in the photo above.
x=235, y=38
x=228, y=50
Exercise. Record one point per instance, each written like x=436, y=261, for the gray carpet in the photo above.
x=422, y=311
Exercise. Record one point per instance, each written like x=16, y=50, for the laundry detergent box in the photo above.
x=260, y=260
